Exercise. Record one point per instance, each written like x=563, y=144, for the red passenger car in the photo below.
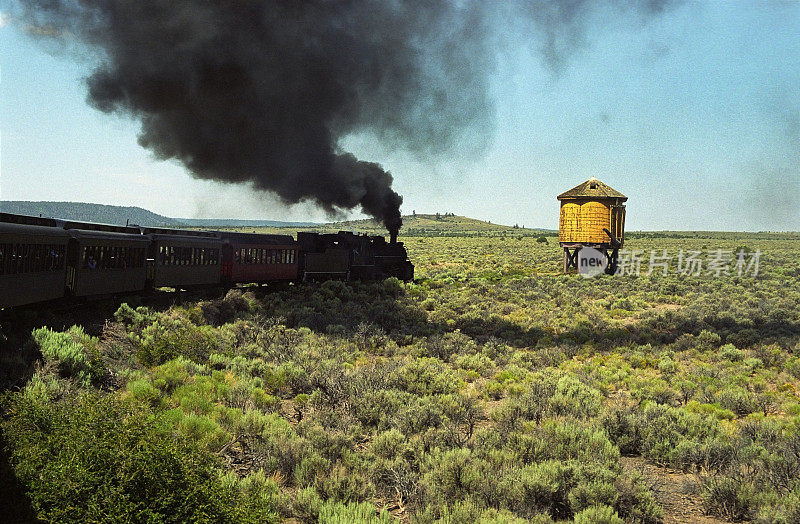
x=258, y=258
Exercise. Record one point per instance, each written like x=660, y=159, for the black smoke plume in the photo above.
x=262, y=92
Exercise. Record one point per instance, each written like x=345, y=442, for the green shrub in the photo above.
x=598, y=515
x=133, y=318
x=729, y=498
x=338, y=513
x=175, y=334
x=74, y=353
x=91, y=458
x=307, y=505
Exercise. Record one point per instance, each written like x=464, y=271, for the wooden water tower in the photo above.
x=592, y=215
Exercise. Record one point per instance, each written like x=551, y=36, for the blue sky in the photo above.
x=694, y=114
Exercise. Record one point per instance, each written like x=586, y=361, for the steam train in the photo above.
x=43, y=259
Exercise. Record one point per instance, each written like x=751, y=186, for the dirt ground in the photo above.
x=674, y=490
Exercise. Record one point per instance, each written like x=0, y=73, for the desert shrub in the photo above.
x=656, y=431
x=176, y=335
x=784, y=510
x=708, y=339
x=218, y=312
x=338, y=513
x=277, y=446
x=590, y=494
x=451, y=475
x=598, y=514
x=738, y=400
x=74, y=353
x=91, y=458
x=479, y=363
x=133, y=318
x=731, y=498
x=258, y=497
x=143, y=391
x=342, y=484
x=635, y=501
x=307, y=505
x=429, y=376
x=729, y=352
x=574, y=398
x=381, y=409
x=550, y=487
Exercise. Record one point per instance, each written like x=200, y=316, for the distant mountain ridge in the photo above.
x=107, y=214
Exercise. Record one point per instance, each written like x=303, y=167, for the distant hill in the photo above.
x=422, y=225
x=105, y=214
x=413, y=225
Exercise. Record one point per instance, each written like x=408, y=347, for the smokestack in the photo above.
x=393, y=236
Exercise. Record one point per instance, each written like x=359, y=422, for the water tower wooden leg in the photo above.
x=613, y=261
x=571, y=259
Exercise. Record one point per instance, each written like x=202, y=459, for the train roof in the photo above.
x=29, y=220
x=107, y=235
x=179, y=232
x=255, y=238
x=14, y=229
x=92, y=226
x=187, y=240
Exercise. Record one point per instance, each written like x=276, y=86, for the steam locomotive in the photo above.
x=44, y=259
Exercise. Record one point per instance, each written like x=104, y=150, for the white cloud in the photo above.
x=5, y=18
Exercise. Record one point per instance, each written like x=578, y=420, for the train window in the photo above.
x=32, y=262
x=56, y=258
x=18, y=258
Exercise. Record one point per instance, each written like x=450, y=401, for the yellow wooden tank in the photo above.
x=587, y=211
